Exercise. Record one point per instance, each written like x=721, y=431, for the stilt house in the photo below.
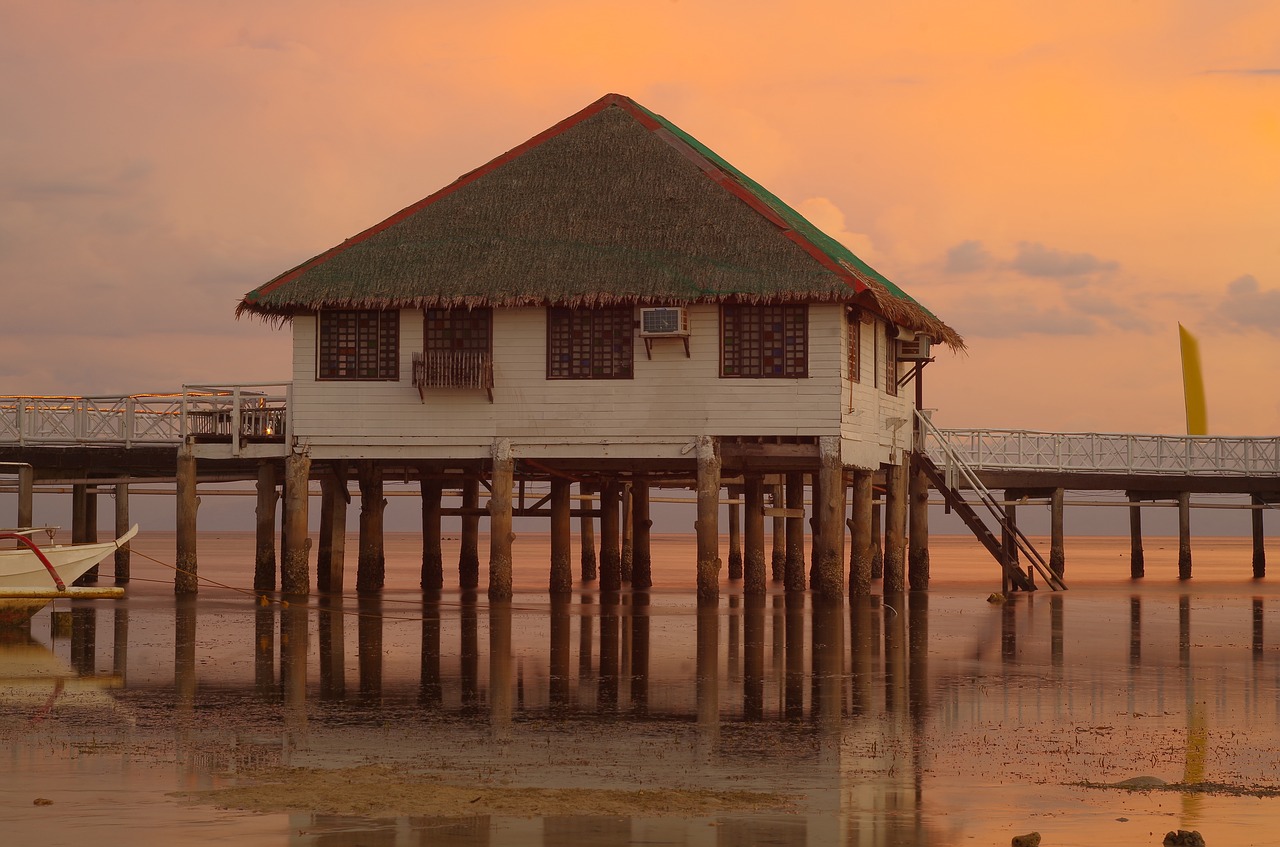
x=609, y=301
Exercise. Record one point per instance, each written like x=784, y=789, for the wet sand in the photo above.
x=936, y=718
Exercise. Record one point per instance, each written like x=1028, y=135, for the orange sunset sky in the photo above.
x=1062, y=183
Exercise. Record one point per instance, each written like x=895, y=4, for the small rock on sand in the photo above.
x=1184, y=838
x=1029, y=840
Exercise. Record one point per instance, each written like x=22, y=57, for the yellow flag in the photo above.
x=1193, y=383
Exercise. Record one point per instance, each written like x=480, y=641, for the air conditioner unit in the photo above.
x=913, y=348
x=664, y=321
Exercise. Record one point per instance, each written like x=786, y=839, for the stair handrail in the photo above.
x=955, y=462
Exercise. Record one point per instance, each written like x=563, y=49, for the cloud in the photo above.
x=1244, y=72
x=990, y=318
x=823, y=213
x=1035, y=259
x=1248, y=306
x=967, y=257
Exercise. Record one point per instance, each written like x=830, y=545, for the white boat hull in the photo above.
x=26, y=585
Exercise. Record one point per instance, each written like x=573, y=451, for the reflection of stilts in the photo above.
x=708, y=684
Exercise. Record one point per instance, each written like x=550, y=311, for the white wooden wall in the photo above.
x=670, y=400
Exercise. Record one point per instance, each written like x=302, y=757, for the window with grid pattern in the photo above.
x=590, y=343
x=855, y=347
x=458, y=329
x=891, y=366
x=764, y=341
x=359, y=344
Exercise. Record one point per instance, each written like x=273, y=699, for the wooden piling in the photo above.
x=500, y=534
x=794, y=577
x=895, y=527
x=432, y=577
x=753, y=536
x=815, y=526
x=561, y=581
x=642, y=553
x=1007, y=537
x=1057, y=549
x=918, y=527
x=708, y=522
x=1184, y=535
x=1259, y=537
x=735, y=533
x=295, y=576
x=26, y=496
x=863, y=534
x=264, y=557
x=184, y=578
x=587, y=531
x=371, y=566
x=628, y=534
x=877, y=539
x=778, y=557
x=330, y=559
x=469, y=539
x=1137, y=563
x=89, y=534
x=79, y=500
x=610, y=535
x=829, y=506
x=122, y=526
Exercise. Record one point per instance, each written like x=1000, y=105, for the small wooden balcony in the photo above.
x=453, y=369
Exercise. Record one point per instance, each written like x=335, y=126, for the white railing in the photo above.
x=121, y=420
x=237, y=414
x=1093, y=452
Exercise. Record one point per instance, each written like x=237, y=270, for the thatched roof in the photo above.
x=612, y=205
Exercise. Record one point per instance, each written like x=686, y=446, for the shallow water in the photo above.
x=935, y=718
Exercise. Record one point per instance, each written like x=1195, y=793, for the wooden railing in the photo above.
x=237, y=414
x=453, y=369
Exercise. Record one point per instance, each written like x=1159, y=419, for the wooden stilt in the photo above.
x=1057, y=549
x=371, y=566
x=122, y=526
x=500, y=534
x=1137, y=564
x=432, y=554
x=735, y=533
x=295, y=576
x=628, y=534
x=330, y=564
x=26, y=496
x=794, y=576
x=918, y=528
x=1259, y=537
x=610, y=549
x=877, y=539
x=895, y=527
x=184, y=580
x=469, y=540
x=561, y=581
x=1184, y=535
x=1007, y=538
x=79, y=501
x=815, y=526
x=90, y=532
x=830, y=507
x=708, y=523
x=754, y=577
x=642, y=554
x=587, y=531
x=264, y=558
x=864, y=533
x=778, y=557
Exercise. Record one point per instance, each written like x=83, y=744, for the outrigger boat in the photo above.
x=32, y=575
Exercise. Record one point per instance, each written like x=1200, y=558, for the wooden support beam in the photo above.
x=895, y=527
x=122, y=526
x=918, y=528
x=1137, y=563
x=371, y=567
x=1259, y=537
x=610, y=535
x=331, y=560
x=877, y=540
x=26, y=496
x=79, y=504
x=185, y=579
x=1057, y=542
x=587, y=532
x=295, y=576
x=90, y=533
x=561, y=580
x=815, y=526
x=469, y=547
x=753, y=537
x=628, y=534
x=864, y=534
x=264, y=557
x=707, y=525
x=1184, y=535
x=641, y=553
x=735, y=533
x=829, y=506
x=778, y=557
x=794, y=577
x=500, y=534
x=432, y=577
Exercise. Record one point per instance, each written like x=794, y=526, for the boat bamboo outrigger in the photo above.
x=31, y=575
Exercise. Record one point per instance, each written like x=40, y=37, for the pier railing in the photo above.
x=237, y=414
x=119, y=420
x=1092, y=452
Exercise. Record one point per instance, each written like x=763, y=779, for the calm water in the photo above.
x=937, y=718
